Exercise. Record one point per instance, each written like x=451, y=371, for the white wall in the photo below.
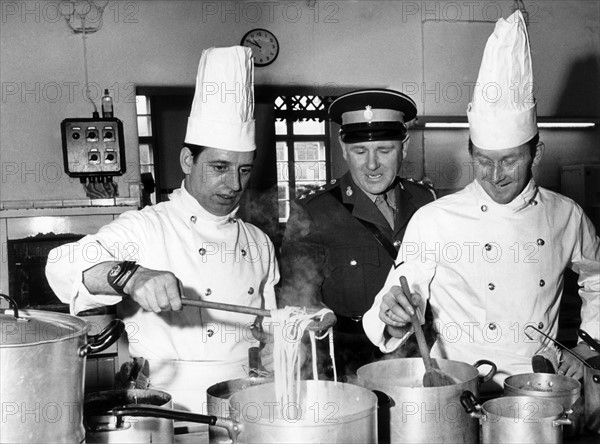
x=417, y=47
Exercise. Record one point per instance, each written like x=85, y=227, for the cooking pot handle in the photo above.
x=104, y=339
x=561, y=422
x=12, y=303
x=149, y=410
x=491, y=373
x=470, y=404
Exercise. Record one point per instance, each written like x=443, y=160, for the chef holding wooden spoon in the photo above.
x=490, y=258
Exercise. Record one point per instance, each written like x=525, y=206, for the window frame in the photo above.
x=290, y=115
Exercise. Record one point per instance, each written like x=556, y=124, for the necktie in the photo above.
x=385, y=209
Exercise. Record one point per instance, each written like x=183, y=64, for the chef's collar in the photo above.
x=192, y=206
x=523, y=200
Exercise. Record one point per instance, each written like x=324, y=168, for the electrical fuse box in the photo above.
x=93, y=147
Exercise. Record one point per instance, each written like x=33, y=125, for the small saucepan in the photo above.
x=217, y=398
x=559, y=388
x=103, y=427
x=517, y=419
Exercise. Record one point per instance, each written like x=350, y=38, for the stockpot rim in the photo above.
x=511, y=383
x=35, y=323
x=370, y=402
x=468, y=367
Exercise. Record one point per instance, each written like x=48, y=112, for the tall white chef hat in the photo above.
x=222, y=114
x=502, y=113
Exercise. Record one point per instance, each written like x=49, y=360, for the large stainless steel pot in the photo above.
x=102, y=427
x=42, y=368
x=217, y=398
x=517, y=419
x=591, y=384
x=426, y=414
x=559, y=388
x=328, y=412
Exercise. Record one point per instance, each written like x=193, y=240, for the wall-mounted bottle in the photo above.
x=107, y=104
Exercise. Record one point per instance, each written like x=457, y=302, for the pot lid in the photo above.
x=29, y=327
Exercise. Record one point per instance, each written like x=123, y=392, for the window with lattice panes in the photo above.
x=302, y=142
x=146, y=148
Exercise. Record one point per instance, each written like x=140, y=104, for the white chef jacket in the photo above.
x=217, y=258
x=489, y=270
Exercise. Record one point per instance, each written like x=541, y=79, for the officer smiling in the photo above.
x=341, y=241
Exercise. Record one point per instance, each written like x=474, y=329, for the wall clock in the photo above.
x=264, y=45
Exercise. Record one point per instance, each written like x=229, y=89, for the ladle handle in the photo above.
x=151, y=411
x=226, y=307
x=329, y=319
x=421, y=341
x=557, y=343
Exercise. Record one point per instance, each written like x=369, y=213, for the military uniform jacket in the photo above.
x=490, y=270
x=330, y=253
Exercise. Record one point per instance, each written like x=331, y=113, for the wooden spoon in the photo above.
x=433, y=377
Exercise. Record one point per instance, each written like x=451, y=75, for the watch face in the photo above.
x=264, y=45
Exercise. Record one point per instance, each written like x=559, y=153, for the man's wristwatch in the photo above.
x=119, y=275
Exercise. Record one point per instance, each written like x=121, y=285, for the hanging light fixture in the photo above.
x=88, y=12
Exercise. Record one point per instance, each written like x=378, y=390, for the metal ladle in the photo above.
x=557, y=343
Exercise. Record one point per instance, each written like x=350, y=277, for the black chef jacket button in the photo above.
x=208, y=292
x=193, y=219
x=542, y=283
x=540, y=242
x=491, y=286
x=251, y=290
x=210, y=332
x=492, y=326
x=243, y=252
x=540, y=325
x=488, y=247
x=202, y=251
x=484, y=208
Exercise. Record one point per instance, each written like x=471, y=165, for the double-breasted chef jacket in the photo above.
x=217, y=258
x=336, y=251
x=490, y=270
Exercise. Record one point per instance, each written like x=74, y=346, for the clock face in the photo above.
x=264, y=45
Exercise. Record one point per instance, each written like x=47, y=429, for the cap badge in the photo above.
x=349, y=191
x=368, y=113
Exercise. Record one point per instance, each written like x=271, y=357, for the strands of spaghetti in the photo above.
x=289, y=325
x=313, y=344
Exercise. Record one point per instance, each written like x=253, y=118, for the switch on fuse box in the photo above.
x=93, y=147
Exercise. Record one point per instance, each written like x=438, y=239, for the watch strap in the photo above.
x=120, y=274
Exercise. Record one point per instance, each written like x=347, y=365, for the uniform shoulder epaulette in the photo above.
x=305, y=197
x=421, y=185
